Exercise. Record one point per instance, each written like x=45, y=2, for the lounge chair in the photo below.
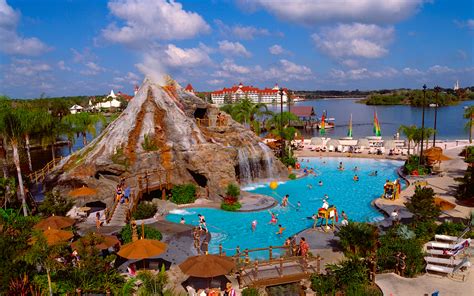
x=448, y=246
x=339, y=148
x=456, y=270
x=331, y=148
x=442, y=261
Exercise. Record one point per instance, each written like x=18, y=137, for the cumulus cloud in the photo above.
x=354, y=40
x=62, y=66
x=10, y=41
x=28, y=75
x=130, y=78
x=437, y=69
x=92, y=69
x=233, y=48
x=215, y=81
x=277, y=49
x=412, y=71
x=240, y=32
x=469, y=24
x=317, y=11
x=185, y=57
x=362, y=73
x=146, y=20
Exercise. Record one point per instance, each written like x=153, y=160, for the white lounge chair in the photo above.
x=339, y=148
x=331, y=148
x=450, y=271
x=443, y=237
x=442, y=261
x=448, y=246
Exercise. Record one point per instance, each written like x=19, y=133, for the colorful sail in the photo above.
x=349, y=131
x=322, y=128
x=377, y=130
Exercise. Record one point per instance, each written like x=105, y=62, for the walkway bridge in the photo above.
x=39, y=175
x=270, y=271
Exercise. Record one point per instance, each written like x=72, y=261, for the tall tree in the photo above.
x=247, y=112
x=409, y=132
x=11, y=120
x=469, y=114
x=274, y=125
x=84, y=123
x=5, y=105
x=34, y=122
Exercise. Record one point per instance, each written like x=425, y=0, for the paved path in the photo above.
x=394, y=285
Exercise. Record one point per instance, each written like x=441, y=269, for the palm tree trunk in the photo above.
x=50, y=286
x=16, y=159
x=53, y=153
x=27, y=144
x=470, y=129
x=84, y=139
x=3, y=158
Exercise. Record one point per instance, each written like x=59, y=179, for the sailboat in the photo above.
x=376, y=128
x=326, y=122
x=322, y=125
x=349, y=131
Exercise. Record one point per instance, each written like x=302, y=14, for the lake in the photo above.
x=450, y=122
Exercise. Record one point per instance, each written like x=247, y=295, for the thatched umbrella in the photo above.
x=55, y=236
x=142, y=249
x=82, y=192
x=207, y=266
x=316, y=141
x=54, y=222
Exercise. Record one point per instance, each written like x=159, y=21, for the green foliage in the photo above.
x=119, y=157
x=385, y=99
x=149, y=143
x=153, y=284
x=183, y=194
x=150, y=233
x=411, y=165
x=405, y=233
x=358, y=238
x=412, y=97
x=422, y=205
x=288, y=159
x=8, y=192
x=292, y=176
x=391, y=243
x=144, y=210
x=451, y=228
x=424, y=230
x=465, y=187
x=232, y=190
x=55, y=204
x=324, y=284
x=250, y=292
x=230, y=207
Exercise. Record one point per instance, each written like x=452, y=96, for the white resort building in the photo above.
x=257, y=95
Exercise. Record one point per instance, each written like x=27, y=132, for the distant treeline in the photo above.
x=319, y=94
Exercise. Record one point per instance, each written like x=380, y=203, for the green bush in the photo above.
x=233, y=190
x=292, y=176
x=144, y=210
x=55, y=203
x=324, y=284
x=231, y=207
x=250, y=292
x=450, y=228
x=150, y=233
x=465, y=188
x=183, y=194
x=149, y=143
x=422, y=205
x=351, y=242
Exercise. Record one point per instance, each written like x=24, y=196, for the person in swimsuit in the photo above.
x=182, y=221
x=320, y=183
x=356, y=178
x=280, y=230
x=274, y=219
x=254, y=225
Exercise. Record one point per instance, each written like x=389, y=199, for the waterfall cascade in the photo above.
x=255, y=162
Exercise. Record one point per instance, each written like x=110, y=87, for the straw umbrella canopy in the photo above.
x=82, y=192
x=54, y=222
x=207, y=266
x=142, y=249
x=55, y=236
x=106, y=241
x=389, y=144
x=333, y=142
x=316, y=141
x=363, y=142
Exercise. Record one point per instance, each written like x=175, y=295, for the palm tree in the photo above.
x=4, y=107
x=274, y=125
x=53, y=129
x=247, y=113
x=469, y=114
x=409, y=132
x=33, y=123
x=427, y=133
x=83, y=123
x=13, y=128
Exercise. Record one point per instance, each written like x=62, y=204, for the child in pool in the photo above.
x=254, y=225
x=274, y=218
x=280, y=230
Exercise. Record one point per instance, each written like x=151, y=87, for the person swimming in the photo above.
x=355, y=169
x=356, y=178
x=320, y=183
x=341, y=166
x=298, y=206
x=274, y=219
x=374, y=173
x=280, y=230
x=182, y=221
x=254, y=225
x=309, y=186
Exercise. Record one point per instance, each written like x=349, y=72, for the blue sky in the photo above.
x=80, y=47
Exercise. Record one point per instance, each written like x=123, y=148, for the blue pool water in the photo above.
x=233, y=229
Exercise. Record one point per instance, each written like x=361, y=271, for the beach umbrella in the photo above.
x=106, y=241
x=54, y=222
x=142, y=249
x=207, y=266
x=389, y=144
x=316, y=141
x=363, y=142
x=444, y=204
x=55, y=236
x=82, y=192
x=333, y=142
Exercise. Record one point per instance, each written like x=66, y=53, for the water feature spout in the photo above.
x=268, y=160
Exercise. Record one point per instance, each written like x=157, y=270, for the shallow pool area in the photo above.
x=232, y=229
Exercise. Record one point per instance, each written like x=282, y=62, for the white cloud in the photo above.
x=437, y=69
x=10, y=41
x=26, y=67
x=412, y=71
x=276, y=49
x=362, y=73
x=147, y=20
x=317, y=11
x=351, y=63
x=182, y=57
x=240, y=32
x=465, y=24
x=28, y=75
x=92, y=69
x=215, y=81
x=229, y=66
x=62, y=66
x=354, y=40
x=130, y=78
x=233, y=48
x=83, y=56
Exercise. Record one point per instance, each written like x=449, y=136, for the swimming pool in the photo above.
x=233, y=229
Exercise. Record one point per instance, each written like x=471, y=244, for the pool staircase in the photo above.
x=449, y=256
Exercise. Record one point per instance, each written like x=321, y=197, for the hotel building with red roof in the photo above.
x=255, y=94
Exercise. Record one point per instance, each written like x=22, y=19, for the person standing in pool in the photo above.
x=355, y=169
x=298, y=206
x=356, y=178
x=182, y=221
x=274, y=219
x=254, y=225
x=341, y=166
x=320, y=183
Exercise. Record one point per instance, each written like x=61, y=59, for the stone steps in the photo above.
x=118, y=219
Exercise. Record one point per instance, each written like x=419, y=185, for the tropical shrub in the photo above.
x=183, y=194
x=358, y=238
x=292, y=176
x=424, y=230
x=150, y=233
x=144, y=210
x=231, y=200
x=250, y=292
x=392, y=243
x=149, y=143
x=411, y=166
x=55, y=204
x=465, y=188
x=422, y=205
x=232, y=190
x=451, y=228
x=230, y=207
x=153, y=284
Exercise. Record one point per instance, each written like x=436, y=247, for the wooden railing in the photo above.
x=40, y=175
